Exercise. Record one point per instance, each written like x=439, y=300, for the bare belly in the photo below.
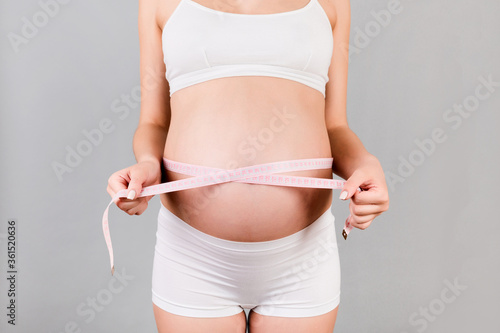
x=241, y=121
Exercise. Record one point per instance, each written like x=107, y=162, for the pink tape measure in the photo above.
x=255, y=174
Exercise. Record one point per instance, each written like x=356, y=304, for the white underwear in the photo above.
x=199, y=275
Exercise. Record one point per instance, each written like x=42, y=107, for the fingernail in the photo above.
x=131, y=195
x=343, y=195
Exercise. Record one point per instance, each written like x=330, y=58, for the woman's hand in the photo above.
x=134, y=178
x=372, y=200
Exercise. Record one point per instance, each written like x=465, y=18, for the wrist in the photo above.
x=149, y=158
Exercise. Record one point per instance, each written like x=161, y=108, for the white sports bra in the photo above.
x=201, y=44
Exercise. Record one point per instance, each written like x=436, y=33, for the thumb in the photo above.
x=137, y=178
x=350, y=186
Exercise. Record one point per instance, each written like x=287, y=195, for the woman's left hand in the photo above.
x=372, y=200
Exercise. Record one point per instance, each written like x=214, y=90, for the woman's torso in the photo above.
x=241, y=121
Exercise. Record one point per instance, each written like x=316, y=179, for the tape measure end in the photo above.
x=112, y=270
x=344, y=234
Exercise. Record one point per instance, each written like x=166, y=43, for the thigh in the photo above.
x=167, y=322
x=324, y=323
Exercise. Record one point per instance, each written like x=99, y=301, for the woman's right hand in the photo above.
x=134, y=178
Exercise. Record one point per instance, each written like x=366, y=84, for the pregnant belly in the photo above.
x=247, y=126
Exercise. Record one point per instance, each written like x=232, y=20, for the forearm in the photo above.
x=149, y=143
x=348, y=151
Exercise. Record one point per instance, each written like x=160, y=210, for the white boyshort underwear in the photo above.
x=199, y=275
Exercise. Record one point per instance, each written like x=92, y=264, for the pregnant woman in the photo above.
x=230, y=84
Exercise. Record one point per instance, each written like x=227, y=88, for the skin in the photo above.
x=223, y=113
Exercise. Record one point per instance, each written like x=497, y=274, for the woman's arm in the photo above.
x=351, y=160
x=154, y=119
x=348, y=151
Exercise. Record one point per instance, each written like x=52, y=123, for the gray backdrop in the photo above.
x=423, y=96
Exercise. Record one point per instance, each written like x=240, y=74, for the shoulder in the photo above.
x=157, y=11
x=148, y=10
x=338, y=11
x=164, y=9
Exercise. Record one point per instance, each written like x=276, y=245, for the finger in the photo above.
x=137, y=178
x=374, y=196
x=364, y=209
x=351, y=185
x=142, y=208
x=125, y=204
x=139, y=209
x=110, y=191
x=117, y=181
x=362, y=225
x=363, y=219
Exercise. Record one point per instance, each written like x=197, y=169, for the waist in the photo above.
x=238, y=204
x=257, y=174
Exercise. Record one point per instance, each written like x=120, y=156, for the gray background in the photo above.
x=442, y=225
